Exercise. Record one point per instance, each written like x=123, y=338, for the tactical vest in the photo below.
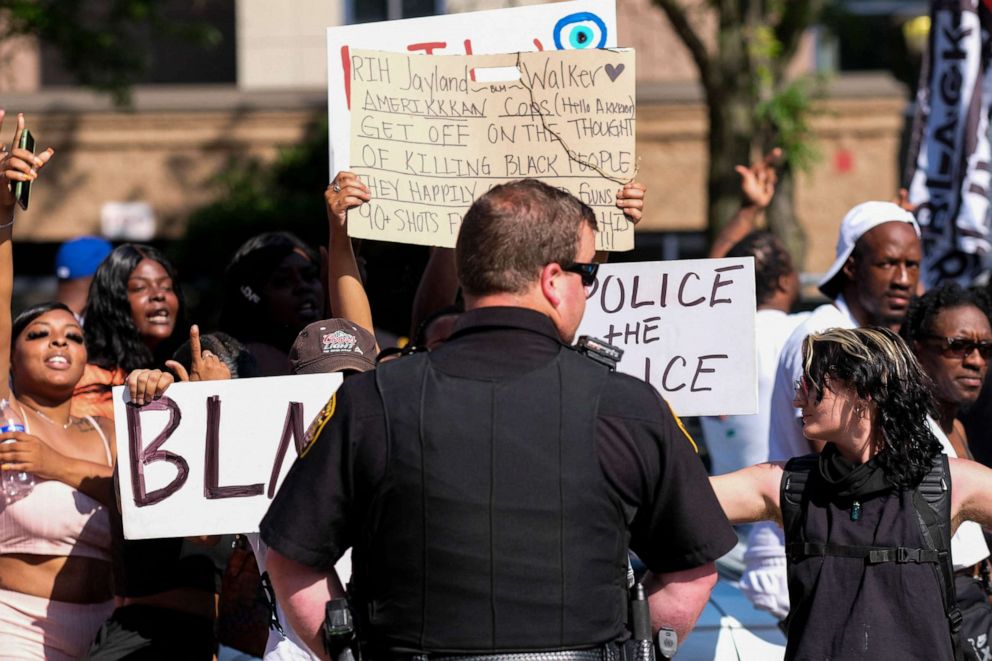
x=493, y=528
x=912, y=631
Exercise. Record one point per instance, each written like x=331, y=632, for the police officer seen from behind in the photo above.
x=491, y=488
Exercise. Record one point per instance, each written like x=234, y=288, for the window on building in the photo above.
x=874, y=35
x=368, y=11
x=172, y=57
x=869, y=34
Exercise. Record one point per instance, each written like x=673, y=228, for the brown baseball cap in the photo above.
x=333, y=345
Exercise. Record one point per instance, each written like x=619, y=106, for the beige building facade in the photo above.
x=168, y=148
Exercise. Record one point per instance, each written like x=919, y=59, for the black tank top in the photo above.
x=847, y=608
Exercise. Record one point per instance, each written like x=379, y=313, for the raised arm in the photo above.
x=750, y=494
x=971, y=493
x=15, y=165
x=757, y=189
x=6, y=261
x=344, y=283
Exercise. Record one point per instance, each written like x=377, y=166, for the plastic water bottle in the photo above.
x=15, y=484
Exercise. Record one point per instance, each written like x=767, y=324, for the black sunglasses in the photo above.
x=959, y=347
x=585, y=270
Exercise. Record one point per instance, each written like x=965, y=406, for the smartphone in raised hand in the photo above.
x=22, y=189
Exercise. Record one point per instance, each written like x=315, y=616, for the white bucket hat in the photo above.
x=858, y=222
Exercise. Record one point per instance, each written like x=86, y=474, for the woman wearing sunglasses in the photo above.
x=864, y=580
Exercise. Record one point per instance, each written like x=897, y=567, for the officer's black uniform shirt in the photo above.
x=675, y=520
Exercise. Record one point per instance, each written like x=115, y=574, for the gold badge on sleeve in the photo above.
x=313, y=431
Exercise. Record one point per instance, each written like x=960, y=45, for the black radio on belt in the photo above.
x=600, y=351
x=339, y=631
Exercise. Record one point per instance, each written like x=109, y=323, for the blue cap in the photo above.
x=80, y=257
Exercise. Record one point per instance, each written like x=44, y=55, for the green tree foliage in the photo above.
x=752, y=103
x=103, y=43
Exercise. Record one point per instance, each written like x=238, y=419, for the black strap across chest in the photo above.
x=873, y=555
x=931, y=500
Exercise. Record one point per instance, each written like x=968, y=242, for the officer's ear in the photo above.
x=552, y=279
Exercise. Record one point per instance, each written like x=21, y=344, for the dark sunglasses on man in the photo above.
x=585, y=270
x=959, y=347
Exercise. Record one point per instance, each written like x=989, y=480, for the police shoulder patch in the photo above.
x=685, y=431
x=317, y=426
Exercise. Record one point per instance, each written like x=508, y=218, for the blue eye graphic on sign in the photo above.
x=580, y=30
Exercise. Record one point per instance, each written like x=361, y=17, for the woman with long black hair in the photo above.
x=134, y=319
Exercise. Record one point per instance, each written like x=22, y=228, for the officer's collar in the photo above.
x=489, y=318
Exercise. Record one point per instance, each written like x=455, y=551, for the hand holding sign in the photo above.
x=630, y=200
x=344, y=193
x=207, y=457
x=146, y=386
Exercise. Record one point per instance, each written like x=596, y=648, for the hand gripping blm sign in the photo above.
x=208, y=457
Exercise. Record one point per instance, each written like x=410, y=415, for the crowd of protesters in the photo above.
x=73, y=587
x=906, y=366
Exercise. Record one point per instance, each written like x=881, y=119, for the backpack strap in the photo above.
x=792, y=501
x=873, y=555
x=932, y=500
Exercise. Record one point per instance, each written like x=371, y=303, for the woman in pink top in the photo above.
x=55, y=541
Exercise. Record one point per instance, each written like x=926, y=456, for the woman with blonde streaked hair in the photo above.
x=867, y=529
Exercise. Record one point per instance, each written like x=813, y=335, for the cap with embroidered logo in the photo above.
x=333, y=345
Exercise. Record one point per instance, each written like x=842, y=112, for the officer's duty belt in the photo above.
x=608, y=652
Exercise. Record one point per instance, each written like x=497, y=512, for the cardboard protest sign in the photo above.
x=208, y=457
x=686, y=327
x=429, y=137
x=559, y=25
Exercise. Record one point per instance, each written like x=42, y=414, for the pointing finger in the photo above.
x=178, y=368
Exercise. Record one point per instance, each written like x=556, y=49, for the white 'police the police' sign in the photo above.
x=686, y=327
